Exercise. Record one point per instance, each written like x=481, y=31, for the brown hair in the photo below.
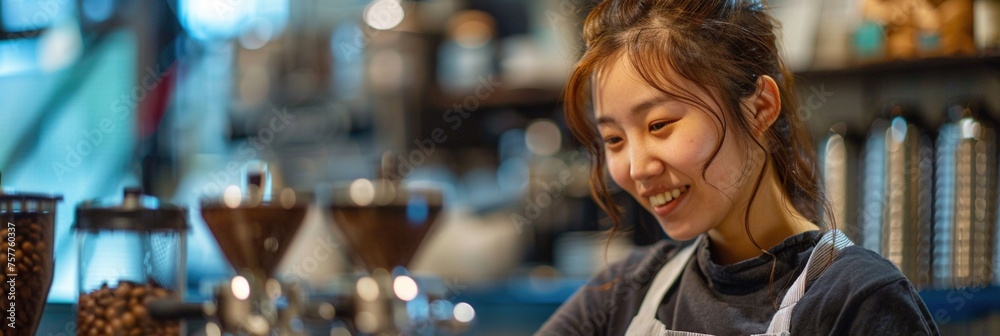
x=722, y=46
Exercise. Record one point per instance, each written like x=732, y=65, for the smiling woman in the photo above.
x=687, y=106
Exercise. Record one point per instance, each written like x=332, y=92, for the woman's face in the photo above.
x=656, y=148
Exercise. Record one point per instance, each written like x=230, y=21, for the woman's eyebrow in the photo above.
x=643, y=107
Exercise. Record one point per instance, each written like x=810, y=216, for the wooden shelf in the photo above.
x=533, y=97
x=907, y=66
x=513, y=98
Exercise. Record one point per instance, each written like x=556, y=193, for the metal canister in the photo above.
x=966, y=197
x=838, y=154
x=897, y=217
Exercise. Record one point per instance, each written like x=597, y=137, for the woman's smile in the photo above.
x=665, y=203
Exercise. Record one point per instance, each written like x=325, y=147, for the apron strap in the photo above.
x=822, y=256
x=644, y=322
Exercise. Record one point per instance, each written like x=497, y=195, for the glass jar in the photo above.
x=131, y=253
x=28, y=230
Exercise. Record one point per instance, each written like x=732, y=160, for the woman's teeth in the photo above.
x=664, y=198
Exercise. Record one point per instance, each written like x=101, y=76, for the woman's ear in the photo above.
x=766, y=104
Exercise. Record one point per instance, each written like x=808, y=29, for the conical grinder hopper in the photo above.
x=255, y=228
x=254, y=238
x=384, y=223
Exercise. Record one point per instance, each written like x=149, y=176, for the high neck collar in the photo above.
x=752, y=274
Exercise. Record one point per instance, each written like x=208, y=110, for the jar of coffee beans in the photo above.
x=132, y=253
x=28, y=221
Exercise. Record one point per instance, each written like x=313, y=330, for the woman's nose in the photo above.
x=644, y=164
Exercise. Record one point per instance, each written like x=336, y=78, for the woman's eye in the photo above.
x=658, y=125
x=612, y=140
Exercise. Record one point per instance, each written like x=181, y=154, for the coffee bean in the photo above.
x=138, y=291
x=123, y=290
x=103, y=300
x=139, y=311
x=118, y=306
x=128, y=319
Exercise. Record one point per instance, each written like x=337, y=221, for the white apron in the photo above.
x=646, y=324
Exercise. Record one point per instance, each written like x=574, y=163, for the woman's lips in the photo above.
x=664, y=208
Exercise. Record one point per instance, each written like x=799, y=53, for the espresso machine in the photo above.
x=382, y=221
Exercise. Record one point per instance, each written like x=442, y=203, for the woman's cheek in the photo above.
x=619, y=171
x=731, y=170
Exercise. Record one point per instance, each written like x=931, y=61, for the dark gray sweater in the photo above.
x=861, y=293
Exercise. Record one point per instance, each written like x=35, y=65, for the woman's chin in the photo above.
x=678, y=231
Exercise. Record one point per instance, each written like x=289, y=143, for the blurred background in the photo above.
x=176, y=95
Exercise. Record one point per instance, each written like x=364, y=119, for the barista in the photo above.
x=694, y=115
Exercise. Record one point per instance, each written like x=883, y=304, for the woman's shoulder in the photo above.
x=862, y=292
x=857, y=268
